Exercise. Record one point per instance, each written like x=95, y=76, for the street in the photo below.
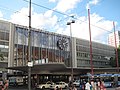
x=25, y=88
x=48, y=89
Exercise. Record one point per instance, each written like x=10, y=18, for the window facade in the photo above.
x=101, y=54
x=44, y=48
x=4, y=44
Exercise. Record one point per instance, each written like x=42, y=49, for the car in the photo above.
x=118, y=83
x=44, y=85
x=108, y=84
x=58, y=85
x=117, y=88
x=76, y=83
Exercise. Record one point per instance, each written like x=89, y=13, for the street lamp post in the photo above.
x=69, y=23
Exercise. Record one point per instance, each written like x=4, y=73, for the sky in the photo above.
x=53, y=15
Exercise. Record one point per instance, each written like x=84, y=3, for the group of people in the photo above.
x=4, y=85
x=91, y=85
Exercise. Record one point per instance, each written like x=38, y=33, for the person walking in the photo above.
x=74, y=88
x=6, y=85
x=93, y=84
x=1, y=86
x=87, y=86
x=102, y=87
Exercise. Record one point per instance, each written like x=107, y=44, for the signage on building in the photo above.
x=30, y=64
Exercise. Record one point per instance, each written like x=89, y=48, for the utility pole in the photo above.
x=29, y=49
x=91, y=61
x=116, y=51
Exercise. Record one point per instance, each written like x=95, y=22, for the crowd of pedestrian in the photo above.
x=4, y=85
x=92, y=85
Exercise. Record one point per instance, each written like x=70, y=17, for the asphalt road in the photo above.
x=24, y=88
x=63, y=89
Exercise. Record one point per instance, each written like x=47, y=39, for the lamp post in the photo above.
x=69, y=23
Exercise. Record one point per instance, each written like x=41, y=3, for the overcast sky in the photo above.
x=102, y=13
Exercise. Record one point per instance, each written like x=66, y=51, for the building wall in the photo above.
x=101, y=54
x=4, y=43
x=111, y=39
x=46, y=47
x=74, y=58
x=11, y=45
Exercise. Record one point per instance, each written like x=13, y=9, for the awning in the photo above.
x=54, y=68
x=50, y=68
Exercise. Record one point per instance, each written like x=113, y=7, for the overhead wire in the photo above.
x=47, y=8
x=15, y=11
x=51, y=10
x=84, y=10
x=65, y=14
x=9, y=9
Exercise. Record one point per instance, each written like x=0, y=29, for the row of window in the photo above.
x=4, y=36
x=95, y=50
x=94, y=56
x=38, y=39
x=94, y=45
x=87, y=62
x=4, y=43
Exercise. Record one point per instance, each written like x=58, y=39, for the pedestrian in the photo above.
x=70, y=85
x=102, y=87
x=87, y=86
x=93, y=84
x=1, y=86
x=74, y=88
x=6, y=85
x=60, y=88
x=82, y=85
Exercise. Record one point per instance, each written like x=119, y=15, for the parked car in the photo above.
x=117, y=88
x=76, y=83
x=118, y=83
x=44, y=85
x=59, y=85
x=108, y=84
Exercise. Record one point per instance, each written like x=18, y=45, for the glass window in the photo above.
x=4, y=36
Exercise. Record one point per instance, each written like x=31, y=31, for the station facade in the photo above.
x=51, y=53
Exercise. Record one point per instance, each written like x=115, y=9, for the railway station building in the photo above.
x=51, y=53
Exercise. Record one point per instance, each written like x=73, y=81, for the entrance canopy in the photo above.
x=60, y=68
